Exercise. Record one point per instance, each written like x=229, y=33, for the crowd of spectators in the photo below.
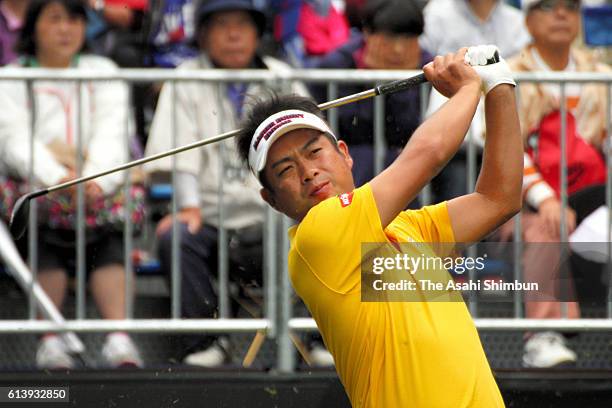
x=233, y=34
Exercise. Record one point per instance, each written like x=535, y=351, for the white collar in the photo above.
x=543, y=66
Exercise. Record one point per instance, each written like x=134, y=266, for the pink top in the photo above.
x=322, y=34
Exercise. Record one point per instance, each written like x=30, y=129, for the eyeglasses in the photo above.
x=550, y=5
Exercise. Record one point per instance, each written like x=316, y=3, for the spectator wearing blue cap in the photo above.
x=228, y=36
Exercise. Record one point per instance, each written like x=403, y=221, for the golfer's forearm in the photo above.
x=445, y=130
x=501, y=177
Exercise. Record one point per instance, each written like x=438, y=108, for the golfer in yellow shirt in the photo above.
x=391, y=354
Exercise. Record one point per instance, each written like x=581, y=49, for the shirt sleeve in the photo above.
x=187, y=190
x=329, y=238
x=432, y=223
x=535, y=189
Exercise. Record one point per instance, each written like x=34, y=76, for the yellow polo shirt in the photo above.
x=387, y=354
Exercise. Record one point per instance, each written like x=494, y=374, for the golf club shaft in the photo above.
x=147, y=159
x=384, y=89
x=18, y=224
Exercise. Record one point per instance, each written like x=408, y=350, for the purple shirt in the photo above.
x=10, y=27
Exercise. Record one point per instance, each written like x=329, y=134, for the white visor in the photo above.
x=274, y=127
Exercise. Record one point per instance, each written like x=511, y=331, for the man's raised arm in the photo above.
x=437, y=139
x=497, y=195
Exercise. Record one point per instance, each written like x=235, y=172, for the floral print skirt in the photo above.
x=57, y=211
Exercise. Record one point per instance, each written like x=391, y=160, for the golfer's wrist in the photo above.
x=472, y=88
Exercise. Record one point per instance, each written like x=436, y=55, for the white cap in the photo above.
x=274, y=127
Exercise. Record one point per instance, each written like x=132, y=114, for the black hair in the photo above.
x=258, y=18
x=263, y=107
x=26, y=44
x=393, y=16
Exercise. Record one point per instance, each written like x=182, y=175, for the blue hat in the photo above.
x=209, y=7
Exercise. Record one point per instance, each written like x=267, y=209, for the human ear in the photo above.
x=268, y=197
x=344, y=150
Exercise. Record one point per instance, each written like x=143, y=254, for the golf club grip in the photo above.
x=402, y=84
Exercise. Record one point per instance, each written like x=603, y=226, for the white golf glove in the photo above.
x=492, y=74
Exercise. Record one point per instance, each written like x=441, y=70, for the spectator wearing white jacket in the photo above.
x=53, y=37
x=228, y=37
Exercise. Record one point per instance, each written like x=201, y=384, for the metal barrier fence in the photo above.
x=277, y=319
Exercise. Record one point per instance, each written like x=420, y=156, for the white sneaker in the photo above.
x=547, y=349
x=53, y=354
x=120, y=351
x=213, y=356
x=321, y=357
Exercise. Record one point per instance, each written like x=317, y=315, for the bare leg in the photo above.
x=107, y=285
x=54, y=282
x=541, y=265
x=51, y=351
